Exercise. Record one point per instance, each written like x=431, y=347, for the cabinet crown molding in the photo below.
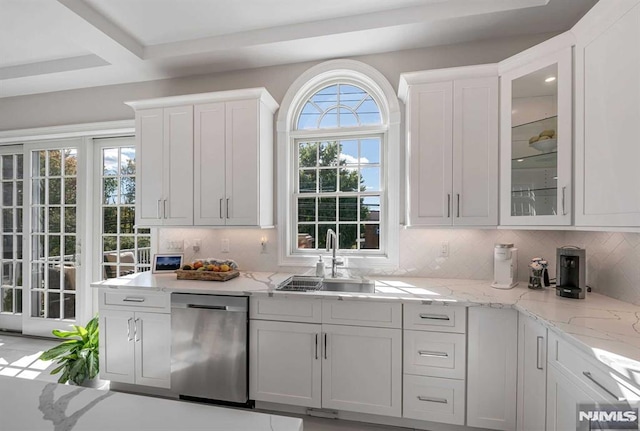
x=550, y=46
x=438, y=75
x=217, y=96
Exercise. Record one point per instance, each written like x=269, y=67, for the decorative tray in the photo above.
x=207, y=275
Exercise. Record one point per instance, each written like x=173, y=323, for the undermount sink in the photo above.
x=308, y=284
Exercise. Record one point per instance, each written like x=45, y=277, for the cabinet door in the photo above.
x=242, y=166
x=563, y=396
x=209, y=165
x=177, y=204
x=429, y=158
x=116, y=346
x=492, y=368
x=608, y=116
x=475, y=151
x=362, y=369
x=536, y=141
x=285, y=363
x=153, y=349
x=532, y=374
x=149, y=173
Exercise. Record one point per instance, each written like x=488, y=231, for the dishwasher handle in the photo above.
x=208, y=307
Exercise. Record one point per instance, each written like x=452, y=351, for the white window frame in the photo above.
x=373, y=82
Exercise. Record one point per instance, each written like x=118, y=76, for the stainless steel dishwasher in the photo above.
x=209, y=347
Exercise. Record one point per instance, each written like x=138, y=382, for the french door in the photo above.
x=56, y=179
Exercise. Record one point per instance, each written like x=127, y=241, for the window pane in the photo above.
x=38, y=191
x=330, y=119
x=127, y=161
x=109, y=243
x=309, y=117
x=54, y=219
x=37, y=219
x=306, y=209
x=18, y=293
x=370, y=208
x=39, y=163
x=7, y=274
x=7, y=220
x=328, y=180
x=348, y=236
x=370, y=151
x=7, y=167
x=347, y=117
x=143, y=241
x=306, y=236
x=6, y=296
x=370, y=236
x=54, y=247
x=349, y=152
x=19, y=275
x=55, y=277
x=370, y=179
x=127, y=220
x=19, y=193
x=70, y=219
x=7, y=194
x=110, y=220
x=322, y=234
x=19, y=247
x=127, y=242
x=329, y=152
x=326, y=98
x=7, y=246
x=37, y=243
x=18, y=219
x=19, y=166
x=349, y=180
x=69, y=308
x=348, y=209
x=70, y=246
x=55, y=157
x=308, y=154
x=128, y=190
x=109, y=191
x=307, y=181
x=37, y=303
x=70, y=190
x=71, y=162
x=54, y=305
x=55, y=189
x=369, y=112
x=110, y=161
x=327, y=209
x=351, y=96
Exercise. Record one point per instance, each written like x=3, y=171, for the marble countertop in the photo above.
x=33, y=405
x=605, y=328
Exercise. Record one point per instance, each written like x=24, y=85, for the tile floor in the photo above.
x=19, y=358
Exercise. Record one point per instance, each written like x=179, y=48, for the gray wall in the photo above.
x=106, y=103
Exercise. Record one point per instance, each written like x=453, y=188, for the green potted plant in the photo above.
x=77, y=356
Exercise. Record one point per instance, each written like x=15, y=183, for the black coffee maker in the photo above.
x=571, y=272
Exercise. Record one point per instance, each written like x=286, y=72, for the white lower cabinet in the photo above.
x=532, y=374
x=285, y=363
x=134, y=347
x=433, y=399
x=362, y=369
x=563, y=395
x=349, y=368
x=492, y=368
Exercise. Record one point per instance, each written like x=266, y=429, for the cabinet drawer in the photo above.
x=434, y=354
x=438, y=318
x=159, y=302
x=286, y=309
x=434, y=399
x=597, y=377
x=362, y=313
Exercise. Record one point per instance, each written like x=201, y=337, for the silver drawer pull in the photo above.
x=588, y=375
x=433, y=400
x=433, y=354
x=434, y=316
x=133, y=299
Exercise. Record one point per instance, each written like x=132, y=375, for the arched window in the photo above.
x=340, y=164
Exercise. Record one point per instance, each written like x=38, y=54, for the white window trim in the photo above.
x=381, y=90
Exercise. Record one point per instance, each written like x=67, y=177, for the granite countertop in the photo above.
x=605, y=328
x=32, y=405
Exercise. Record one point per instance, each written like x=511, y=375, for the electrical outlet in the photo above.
x=444, y=249
x=196, y=245
x=224, y=245
x=175, y=245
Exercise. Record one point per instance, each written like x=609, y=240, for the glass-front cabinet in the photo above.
x=536, y=141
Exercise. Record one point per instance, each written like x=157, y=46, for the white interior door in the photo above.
x=54, y=180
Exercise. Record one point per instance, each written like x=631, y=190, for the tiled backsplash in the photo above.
x=613, y=258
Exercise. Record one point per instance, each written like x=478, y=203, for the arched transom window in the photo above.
x=339, y=137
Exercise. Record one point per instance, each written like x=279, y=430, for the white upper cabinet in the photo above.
x=452, y=141
x=205, y=159
x=536, y=135
x=608, y=115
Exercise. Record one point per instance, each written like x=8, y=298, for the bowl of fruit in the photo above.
x=209, y=270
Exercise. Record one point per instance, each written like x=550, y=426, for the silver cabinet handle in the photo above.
x=221, y=208
x=539, y=360
x=434, y=316
x=588, y=375
x=564, y=211
x=228, y=207
x=458, y=198
x=448, y=205
x=158, y=213
x=164, y=208
x=325, y=346
x=317, y=335
x=433, y=399
x=433, y=354
x=129, y=329
x=133, y=299
x=135, y=330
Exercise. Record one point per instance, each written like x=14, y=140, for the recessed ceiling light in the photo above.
x=520, y=160
x=550, y=79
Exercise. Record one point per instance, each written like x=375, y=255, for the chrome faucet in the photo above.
x=332, y=243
